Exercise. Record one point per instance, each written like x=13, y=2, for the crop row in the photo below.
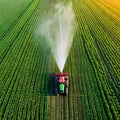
x=23, y=84
x=7, y=42
x=109, y=51
x=27, y=83
x=113, y=22
x=89, y=89
x=96, y=62
x=114, y=49
x=112, y=6
x=13, y=16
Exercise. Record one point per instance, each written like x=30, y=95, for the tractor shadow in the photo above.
x=50, y=85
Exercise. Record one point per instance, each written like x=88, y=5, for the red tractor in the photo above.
x=61, y=84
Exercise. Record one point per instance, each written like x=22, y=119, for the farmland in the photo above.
x=27, y=64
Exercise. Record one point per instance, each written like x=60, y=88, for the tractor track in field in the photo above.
x=61, y=108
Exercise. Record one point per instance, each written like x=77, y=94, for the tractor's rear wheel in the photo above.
x=55, y=91
x=67, y=83
x=66, y=91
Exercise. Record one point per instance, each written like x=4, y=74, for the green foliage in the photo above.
x=27, y=66
x=10, y=12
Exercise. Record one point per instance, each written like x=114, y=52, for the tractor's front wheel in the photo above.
x=66, y=77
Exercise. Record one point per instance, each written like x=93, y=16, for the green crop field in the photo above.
x=27, y=64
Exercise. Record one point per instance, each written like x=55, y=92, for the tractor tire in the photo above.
x=55, y=83
x=67, y=83
x=66, y=77
x=66, y=91
x=55, y=91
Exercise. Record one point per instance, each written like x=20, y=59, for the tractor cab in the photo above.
x=61, y=79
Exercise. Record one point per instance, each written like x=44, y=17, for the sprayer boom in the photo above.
x=61, y=74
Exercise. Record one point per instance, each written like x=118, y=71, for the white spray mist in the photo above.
x=59, y=29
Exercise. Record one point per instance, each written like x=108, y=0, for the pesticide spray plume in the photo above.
x=58, y=28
